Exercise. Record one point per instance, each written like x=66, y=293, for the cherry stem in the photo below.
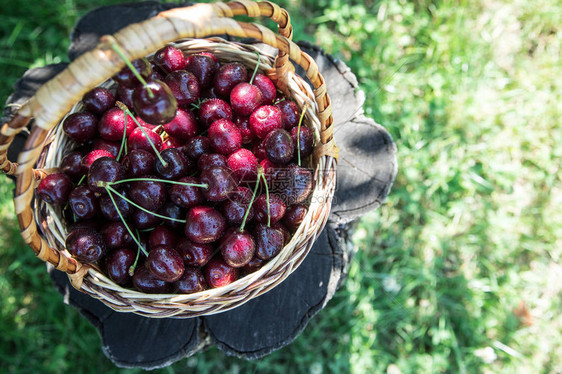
x=123, y=138
x=267, y=198
x=201, y=185
x=119, y=51
x=124, y=108
x=144, y=209
x=258, y=178
x=134, y=265
x=299, y=134
x=81, y=180
x=256, y=68
x=108, y=189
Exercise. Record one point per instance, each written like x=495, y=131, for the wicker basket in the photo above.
x=42, y=225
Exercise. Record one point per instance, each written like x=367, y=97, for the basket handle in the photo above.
x=55, y=98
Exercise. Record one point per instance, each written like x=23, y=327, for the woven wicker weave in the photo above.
x=41, y=224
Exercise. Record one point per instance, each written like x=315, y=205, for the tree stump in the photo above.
x=365, y=173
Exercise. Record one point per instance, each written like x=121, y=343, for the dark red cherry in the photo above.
x=266, y=87
x=169, y=59
x=186, y=196
x=259, y=150
x=234, y=208
x=272, y=171
x=294, y=216
x=143, y=220
x=183, y=126
x=171, y=210
x=211, y=55
x=158, y=109
x=89, y=159
x=103, y=171
x=71, y=165
x=83, y=202
x=54, y=188
x=194, y=254
x=289, y=114
x=212, y=110
x=191, y=281
x=176, y=164
x=80, y=127
x=243, y=124
x=203, y=67
x=125, y=95
x=245, y=98
x=204, y=224
x=118, y=263
x=112, y=124
x=218, y=273
x=265, y=119
x=149, y=194
x=171, y=142
x=162, y=235
x=145, y=282
x=86, y=245
x=116, y=235
x=144, y=124
x=184, y=87
x=165, y=263
x=238, y=248
x=138, y=140
x=228, y=76
x=279, y=147
x=243, y=164
x=254, y=265
x=107, y=145
x=98, y=100
x=108, y=209
x=305, y=140
x=209, y=160
x=269, y=241
x=220, y=183
x=225, y=137
x=139, y=162
x=89, y=224
x=277, y=208
x=286, y=233
x=295, y=186
x=126, y=78
x=196, y=147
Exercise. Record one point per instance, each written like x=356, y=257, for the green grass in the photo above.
x=471, y=232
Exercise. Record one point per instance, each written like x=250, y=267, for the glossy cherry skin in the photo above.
x=171, y=142
x=184, y=87
x=238, y=248
x=125, y=76
x=80, y=127
x=138, y=140
x=173, y=211
x=243, y=124
x=225, y=137
x=54, y=188
x=234, y=208
x=267, y=88
x=149, y=194
x=196, y=147
x=220, y=183
x=259, y=150
x=183, y=126
x=277, y=208
x=295, y=185
x=138, y=162
x=107, y=145
x=143, y=220
x=83, y=202
x=112, y=124
x=192, y=280
x=98, y=100
x=162, y=235
x=116, y=235
x=71, y=165
x=204, y=224
x=186, y=196
x=158, y=109
x=245, y=98
x=86, y=245
x=125, y=95
x=269, y=241
x=289, y=114
x=194, y=254
x=265, y=119
x=89, y=159
x=218, y=273
x=279, y=147
x=214, y=109
x=169, y=59
x=228, y=76
x=305, y=141
x=286, y=233
x=145, y=282
x=118, y=263
x=108, y=209
x=209, y=160
x=203, y=67
x=254, y=265
x=294, y=216
x=243, y=164
x=165, y=263
x=103, y=171
x=176, y=166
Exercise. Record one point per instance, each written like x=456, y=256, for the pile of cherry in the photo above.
x=184, y=177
